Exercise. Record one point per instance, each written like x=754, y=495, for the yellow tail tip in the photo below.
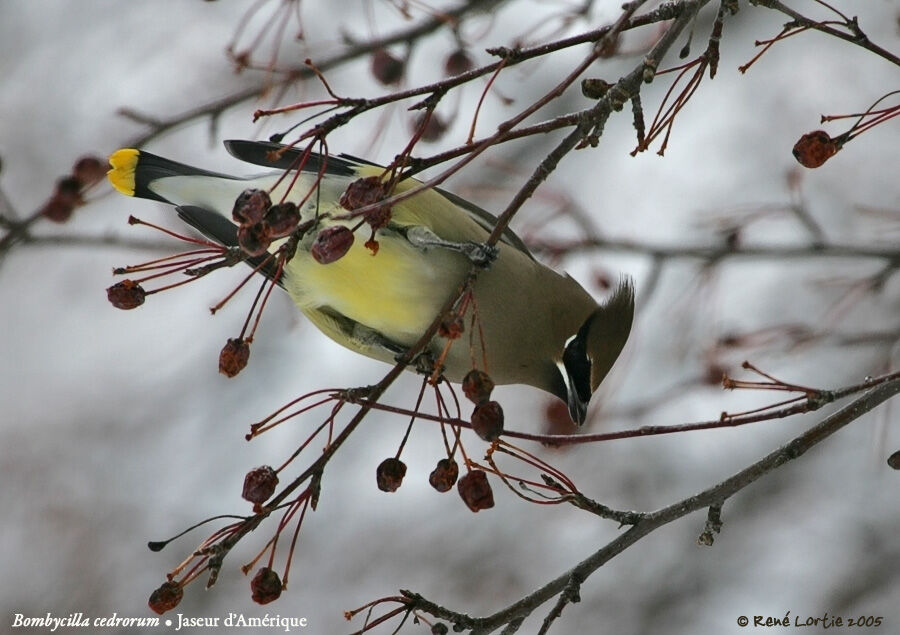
x=123, y=163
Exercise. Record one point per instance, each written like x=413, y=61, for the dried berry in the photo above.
x=89, y=170
x=265, y=586
x=259, y=485
x=57, y=210
x=458, y=62
x=282, y=219
x=250, y=206
x=331, y=244
x=894, y=460
x=487, y=420
x=166, y=597
x=439, y=628
x=254, y=239
x=443, y=477
x=475, y=491
x=364, y=192
x=386, y=68
x=69, y=190
x=434, y=128
x=451, y=327
x=234, y=356
x=477, y=386
x=389, y=474
x=815, y=148
x=64, y=200
x=125, y=295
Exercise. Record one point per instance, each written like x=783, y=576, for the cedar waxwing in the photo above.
x=532, y=326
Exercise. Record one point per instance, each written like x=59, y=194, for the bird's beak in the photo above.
x=577, y=408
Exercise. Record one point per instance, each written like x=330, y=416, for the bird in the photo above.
x=531, y=325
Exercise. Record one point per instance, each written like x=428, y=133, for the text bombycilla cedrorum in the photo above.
x=536, y=327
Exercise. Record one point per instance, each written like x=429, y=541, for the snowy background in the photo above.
x=116, y=429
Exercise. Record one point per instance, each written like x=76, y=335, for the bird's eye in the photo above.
x=578, y=365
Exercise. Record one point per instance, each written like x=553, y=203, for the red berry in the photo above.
x=265, y=586
x=125, y=295
x=477, y=386
x=259, y=485
x=250, y=206
x=475, y=491
x=434, y=129
x=88, y=170
x=166, y=597
x=386, y=68
x=894, y=460
x=254, y=239
x=282, y=219
x=57, y=209
x=815, y=148
x=457, y=63
x=364, y=192
x=444, y=475
x=487, y=420
x=389, y=474
x=234, y=356
x=332, y=243
x=452, y=327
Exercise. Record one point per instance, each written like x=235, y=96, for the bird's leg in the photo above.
x=355, y=395
x=423, y=363
x=479, y=254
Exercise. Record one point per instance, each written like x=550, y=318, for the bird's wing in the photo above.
x=274, y=155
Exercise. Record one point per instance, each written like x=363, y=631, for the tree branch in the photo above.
x=711, y=497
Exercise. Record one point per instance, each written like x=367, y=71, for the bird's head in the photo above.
x=591, y=351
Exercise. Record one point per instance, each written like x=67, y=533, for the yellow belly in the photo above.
x=396, y=292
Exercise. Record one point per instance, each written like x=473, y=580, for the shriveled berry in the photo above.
x=282, y=219
x=259, y=485
x=254, y=239
x=815, y=148
x=452, y=327
x=389, y=474
x=166, y=597
x=265, y=586
x=69, y=189
x=475, y=491
x=126, y=294
x=250, y=206
x=487, y=420
x=894, y=460
x=458, y=62
x=387, y=68
x=234, y=356
x=57, y=209
x=89, y=170
x=332, y=243
x=364, y=192
x=439, y=628
x=477, y=385
x=444, y=475
x=433, y=129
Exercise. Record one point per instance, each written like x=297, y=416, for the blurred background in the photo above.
x=117, y=428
